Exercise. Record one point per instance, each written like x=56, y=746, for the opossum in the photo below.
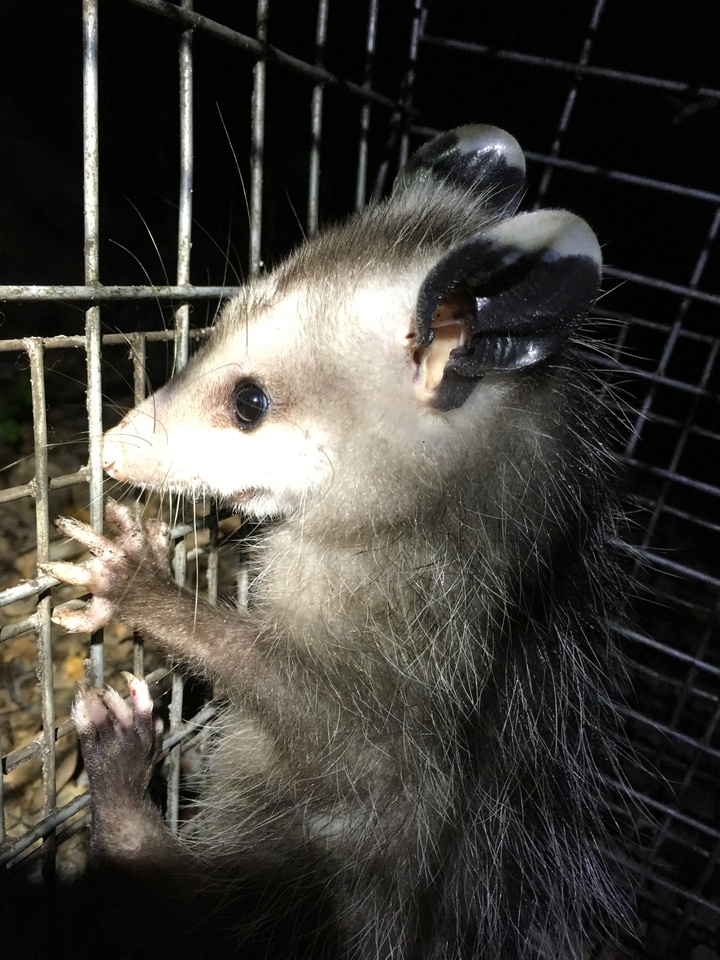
x=419, y=694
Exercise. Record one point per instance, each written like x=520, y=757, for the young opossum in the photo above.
x=418, y=696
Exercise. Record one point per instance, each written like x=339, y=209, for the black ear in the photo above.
x=513, y=295
x=481, y=159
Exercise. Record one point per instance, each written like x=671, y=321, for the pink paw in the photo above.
x=139, y=551
x=117, y=740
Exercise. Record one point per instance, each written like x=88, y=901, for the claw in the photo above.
x=95, y=542
x=158, y=534
x=87, y=710
x=139, y=692
x=76, y=574
x=90, y=618
x=69, y=525
x=121, y=515
x=121, y=712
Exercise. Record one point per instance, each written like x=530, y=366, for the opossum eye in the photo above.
x=251, y=404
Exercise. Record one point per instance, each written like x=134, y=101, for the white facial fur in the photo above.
x=185, y=437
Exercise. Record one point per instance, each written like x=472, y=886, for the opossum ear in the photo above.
x=507, y=299
x=481, y=159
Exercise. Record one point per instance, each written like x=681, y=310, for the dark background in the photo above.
x=652, y=113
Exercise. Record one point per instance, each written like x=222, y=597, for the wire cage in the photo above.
x=175, y=148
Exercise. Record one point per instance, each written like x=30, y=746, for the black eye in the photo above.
x=251, y=405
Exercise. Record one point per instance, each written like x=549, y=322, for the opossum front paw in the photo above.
x=117, y=566
x=117, y=740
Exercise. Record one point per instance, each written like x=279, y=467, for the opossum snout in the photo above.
x=113, y=459
x=132, y=449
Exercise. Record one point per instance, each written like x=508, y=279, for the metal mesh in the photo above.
x=616, y=106
x=293, y=112
x=140, y=329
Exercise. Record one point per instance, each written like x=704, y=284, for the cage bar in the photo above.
x=316, y=113
x=661, y=345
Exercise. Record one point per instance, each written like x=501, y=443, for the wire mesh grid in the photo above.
x=616, y=105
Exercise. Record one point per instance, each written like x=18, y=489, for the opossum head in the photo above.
x=364, y=376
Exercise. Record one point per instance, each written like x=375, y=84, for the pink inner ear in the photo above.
x=450, y=329
x=431, y=360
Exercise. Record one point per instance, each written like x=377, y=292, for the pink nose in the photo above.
x=113, y=452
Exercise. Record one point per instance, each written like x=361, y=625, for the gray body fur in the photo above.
x=418, y=695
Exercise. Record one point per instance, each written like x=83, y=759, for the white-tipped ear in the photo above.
x=483, y=160
x=522, y=287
